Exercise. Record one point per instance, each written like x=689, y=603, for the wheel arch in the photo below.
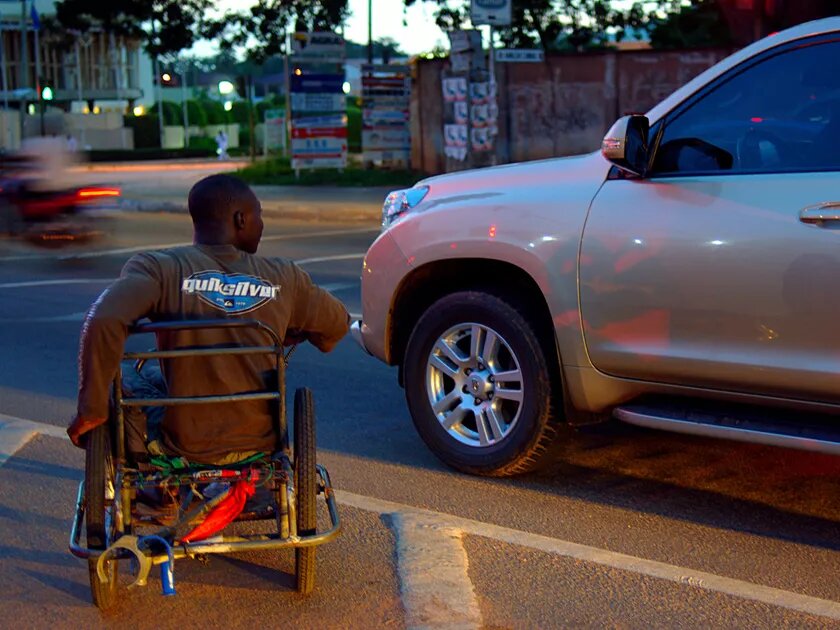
x=428, y=283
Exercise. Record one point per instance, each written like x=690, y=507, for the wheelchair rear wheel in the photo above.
x=100, y=511
x=306, y=487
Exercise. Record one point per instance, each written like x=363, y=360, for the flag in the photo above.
x=36, y=21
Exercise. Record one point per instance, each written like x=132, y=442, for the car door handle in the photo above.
x=828, y=211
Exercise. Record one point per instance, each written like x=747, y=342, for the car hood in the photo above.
x=587, y=171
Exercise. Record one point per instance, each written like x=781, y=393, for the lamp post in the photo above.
x=370, y=32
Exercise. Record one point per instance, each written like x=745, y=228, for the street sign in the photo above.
x=520, y=55
x=325, y=83
x=318, y=44
x=492, y=12
x=317, y=102
x=275, y=129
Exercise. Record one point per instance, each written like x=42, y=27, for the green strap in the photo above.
x=180, y=464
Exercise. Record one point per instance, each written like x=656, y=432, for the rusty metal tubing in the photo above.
x=76, y=531
x=197, y=324
x=200, y=352
x=228, y=544
x=197, y=400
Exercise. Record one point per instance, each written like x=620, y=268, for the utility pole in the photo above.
x=24, y=64
x=370, y=32
x=184, y=67
x=5, y=80
x=159, y=90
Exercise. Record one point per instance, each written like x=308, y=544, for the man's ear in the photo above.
x=239, y=220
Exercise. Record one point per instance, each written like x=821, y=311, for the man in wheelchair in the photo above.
x=219, y=276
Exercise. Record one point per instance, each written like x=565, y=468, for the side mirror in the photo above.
x=626, y=144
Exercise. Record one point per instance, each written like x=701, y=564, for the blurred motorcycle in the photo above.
x=37, y=204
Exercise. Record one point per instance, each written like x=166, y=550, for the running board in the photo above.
x=730, y=427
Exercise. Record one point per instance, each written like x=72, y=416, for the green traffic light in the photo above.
x=47, y=93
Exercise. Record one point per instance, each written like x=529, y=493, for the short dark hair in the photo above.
x=213, y=199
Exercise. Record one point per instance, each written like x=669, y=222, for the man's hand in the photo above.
x=295, y=337
x=80, y=426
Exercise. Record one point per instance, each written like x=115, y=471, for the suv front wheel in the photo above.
x=478, y=386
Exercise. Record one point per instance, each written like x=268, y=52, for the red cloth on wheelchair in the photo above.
x=223, y=514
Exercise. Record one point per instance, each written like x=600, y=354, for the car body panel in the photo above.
x=528, y=215
x=713, y=281
x=534, y=216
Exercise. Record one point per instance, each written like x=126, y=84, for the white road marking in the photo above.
x=432, y=565
x=15, y=432
x=47, y=283
x=603, y=557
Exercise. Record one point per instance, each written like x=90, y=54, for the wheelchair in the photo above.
x=108, y=506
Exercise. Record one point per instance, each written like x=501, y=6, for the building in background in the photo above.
x=79, y=77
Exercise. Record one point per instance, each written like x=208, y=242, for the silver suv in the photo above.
x=686, y=277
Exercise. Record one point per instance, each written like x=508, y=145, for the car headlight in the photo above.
x=400, y=202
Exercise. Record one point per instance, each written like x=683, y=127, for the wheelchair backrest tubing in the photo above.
x=275, y=348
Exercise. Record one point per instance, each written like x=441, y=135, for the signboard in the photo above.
x=492, y=12
x=313, y=83
x=465, y=50
x=316, y=78
x=320, y=151
x=317, y=102
x=386, y=96
x=520, y=55
x=383, y=138
x=275, y=129
x=318, y=45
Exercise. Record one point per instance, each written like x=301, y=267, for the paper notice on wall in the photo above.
x=481, y=139
x=462, y=112
x=479, y=92
x=454, y=89
x=455, y=135
x=456, y=153
x=479, y=115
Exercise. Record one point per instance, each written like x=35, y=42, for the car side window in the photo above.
x=780, y=115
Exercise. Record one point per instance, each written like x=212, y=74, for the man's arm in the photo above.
x=316, y=313
x=134, y=295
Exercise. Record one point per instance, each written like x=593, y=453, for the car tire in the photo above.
x=521, y=437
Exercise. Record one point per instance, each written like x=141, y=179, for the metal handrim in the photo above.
x=474, y=383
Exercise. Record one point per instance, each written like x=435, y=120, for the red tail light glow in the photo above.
x=87, y=193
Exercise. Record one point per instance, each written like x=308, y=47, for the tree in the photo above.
x=263, y=28
x=555, y=24
x=697, y=25
x=164, y=26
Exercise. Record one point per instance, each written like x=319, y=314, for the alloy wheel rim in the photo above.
x=474, y=384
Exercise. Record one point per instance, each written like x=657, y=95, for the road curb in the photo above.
x=306, y=211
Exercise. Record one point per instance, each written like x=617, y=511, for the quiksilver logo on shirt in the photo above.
x=231, y=293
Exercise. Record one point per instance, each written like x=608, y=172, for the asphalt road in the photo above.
x=631, y=528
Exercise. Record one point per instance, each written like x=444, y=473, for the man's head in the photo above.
x=225, y=210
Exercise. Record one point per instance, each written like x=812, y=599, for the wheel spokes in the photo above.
x=455, y=417
x=490, y=348
x=445, y=403
x=509, y=394
x=509, y=376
